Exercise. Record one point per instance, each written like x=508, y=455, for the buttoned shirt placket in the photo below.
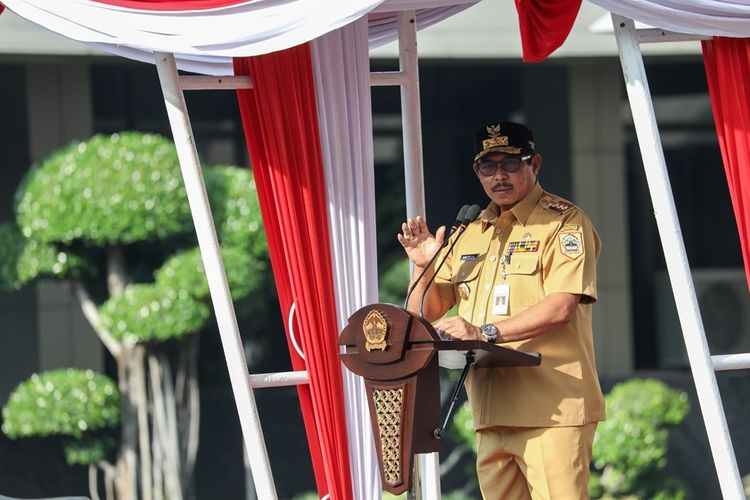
x=494, y=264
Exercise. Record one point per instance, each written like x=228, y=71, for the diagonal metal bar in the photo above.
x=195, y=186
x=670, y=233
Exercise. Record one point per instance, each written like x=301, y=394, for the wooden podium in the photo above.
x=398, y=354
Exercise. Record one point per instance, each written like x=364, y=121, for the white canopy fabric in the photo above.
x=697, y=17
x=244, y=28
x=341, y=68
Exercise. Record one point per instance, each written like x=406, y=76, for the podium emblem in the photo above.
x=375, y=327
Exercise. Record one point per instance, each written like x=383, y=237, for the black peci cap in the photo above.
x=503, y=137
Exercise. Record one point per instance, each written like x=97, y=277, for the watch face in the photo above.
x=489, y=332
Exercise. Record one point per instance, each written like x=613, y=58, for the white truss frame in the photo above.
x=243, y=383
x=702, y=364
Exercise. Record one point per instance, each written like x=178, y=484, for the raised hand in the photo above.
x=418, y=242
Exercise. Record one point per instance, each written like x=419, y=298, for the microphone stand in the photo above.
x=459, y=221
x=471, y=214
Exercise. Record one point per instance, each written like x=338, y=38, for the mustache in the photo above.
x=501, y=185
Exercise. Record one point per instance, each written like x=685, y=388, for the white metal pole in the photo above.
x=216, y=275
x=411, y=116
x=279, y=379
x=676, y=258
x=429, y=475
x=387, y=78
x=202, y=82
x=723, y=362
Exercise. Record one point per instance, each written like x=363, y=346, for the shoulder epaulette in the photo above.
x=557, y=205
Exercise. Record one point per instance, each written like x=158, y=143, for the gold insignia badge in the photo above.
x=375, y=327
x=463, y=291
x=494, y=139
x=571, y=244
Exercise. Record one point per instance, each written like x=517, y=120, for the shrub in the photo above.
x=630, y=446
x=79, y=405
x=65, y=402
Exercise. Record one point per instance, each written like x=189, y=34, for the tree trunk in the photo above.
x=93, y=486
x=159, y=414
x=127, y=463
x=128, y=460
x=162, y=434
x=144, y=444
x=188, y=402
x=117, y=277
x=109, y=479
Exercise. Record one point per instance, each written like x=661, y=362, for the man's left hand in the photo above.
x=457, y=328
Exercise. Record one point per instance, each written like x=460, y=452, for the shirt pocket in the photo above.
x=466, y=285
x=524, y=279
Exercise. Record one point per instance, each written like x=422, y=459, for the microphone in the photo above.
x=471, y=214
x=459, y=220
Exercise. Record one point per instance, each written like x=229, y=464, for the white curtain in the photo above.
x=342, y=84
x=698, y=17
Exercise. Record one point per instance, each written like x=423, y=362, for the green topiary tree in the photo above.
x=77, y=404
x=630, y=446
x=110, y=216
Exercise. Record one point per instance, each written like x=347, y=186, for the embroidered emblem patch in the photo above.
x=557, y=206
x=469, y=256
x=571, y=244
x=463, y=291
x=523, y=246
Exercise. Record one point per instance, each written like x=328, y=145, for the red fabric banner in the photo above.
x=545, y=25
x=175, y=5
x=727, y=62
x=2, y=8
x=280, y=120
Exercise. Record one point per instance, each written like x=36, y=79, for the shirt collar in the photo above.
x=521, y=210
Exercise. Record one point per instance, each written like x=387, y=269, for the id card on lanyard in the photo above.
x=501, y=297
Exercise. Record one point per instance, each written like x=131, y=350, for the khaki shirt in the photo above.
x=542, y=245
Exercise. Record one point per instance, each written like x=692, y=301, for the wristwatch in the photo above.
x=489, y=333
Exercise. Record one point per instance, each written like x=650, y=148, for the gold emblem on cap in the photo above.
x=495, y=139
x=463, y=291
x=375, y=327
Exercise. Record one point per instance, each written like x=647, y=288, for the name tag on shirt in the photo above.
x=500, y=299
x=470, y=256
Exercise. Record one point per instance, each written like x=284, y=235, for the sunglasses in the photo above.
x=510, y=165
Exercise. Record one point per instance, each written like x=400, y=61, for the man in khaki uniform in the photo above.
x=523, y=274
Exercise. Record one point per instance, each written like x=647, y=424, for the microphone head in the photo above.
x=471, y=214
x=461, y=214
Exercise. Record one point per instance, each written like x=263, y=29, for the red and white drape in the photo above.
x=205, y=34
x=727, y=62
x=280, y=118
x=310, y=140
